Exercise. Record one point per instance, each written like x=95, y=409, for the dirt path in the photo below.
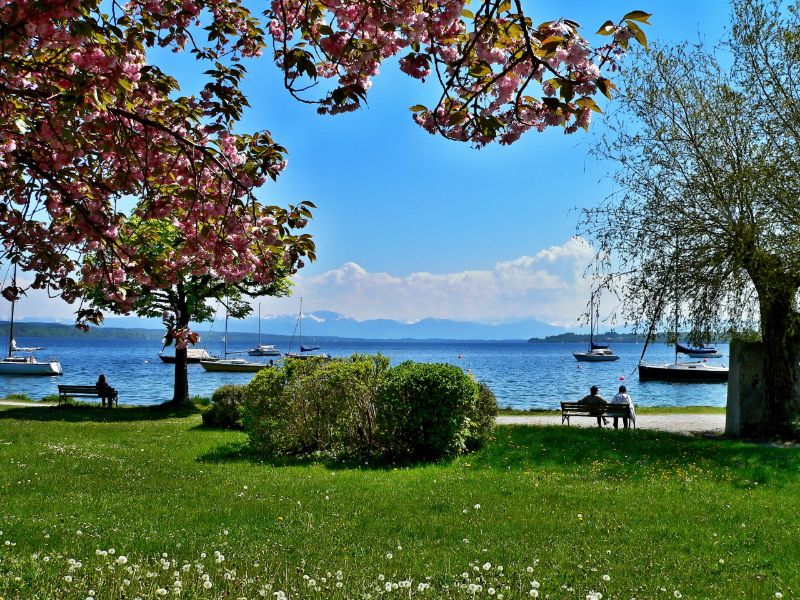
x=688, y=424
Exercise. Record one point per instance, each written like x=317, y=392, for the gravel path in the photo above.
x=688, y=424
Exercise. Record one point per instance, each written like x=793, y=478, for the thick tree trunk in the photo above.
x=781, y=368
x=181, y=387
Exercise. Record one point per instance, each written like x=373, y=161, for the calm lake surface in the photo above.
x=522, y=375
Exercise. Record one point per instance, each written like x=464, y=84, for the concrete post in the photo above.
x=745, y=408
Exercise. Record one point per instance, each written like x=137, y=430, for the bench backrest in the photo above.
x=576, y=408
x=77, y=389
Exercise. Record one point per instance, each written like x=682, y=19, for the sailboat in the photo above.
x=263, y=349
x=596, y=352
x=232, y=365
x=24, y=365
x=697, y=371
x=701, y=351
x=304, y=349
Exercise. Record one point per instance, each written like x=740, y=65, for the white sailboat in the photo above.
x=596, y=352
x=24, y=365
x=263, y=349
x=304, y=350
x=232, y=365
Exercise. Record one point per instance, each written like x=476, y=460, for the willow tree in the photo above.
x=706, y=220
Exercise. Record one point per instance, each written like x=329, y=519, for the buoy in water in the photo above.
x=622, y=378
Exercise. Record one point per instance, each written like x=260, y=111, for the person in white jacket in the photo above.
x=623, y=398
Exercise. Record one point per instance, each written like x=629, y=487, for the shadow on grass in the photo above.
x=86, y=413
x=638, y=454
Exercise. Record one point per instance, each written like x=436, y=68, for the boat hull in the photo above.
x=594, y=357
x=257, y=352
x=683, y=372
x=33, y=367
x=298, y=356
x=704, y=354
x=233, y=366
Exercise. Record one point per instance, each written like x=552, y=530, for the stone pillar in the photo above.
x=745, y=388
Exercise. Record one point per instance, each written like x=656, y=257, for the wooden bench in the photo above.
x=66, y=391
x=576, y=409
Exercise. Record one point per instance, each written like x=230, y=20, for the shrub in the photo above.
x=225, y=409
x=424, y=411
x=482, y=417
x=315, y=406
x=19, y=398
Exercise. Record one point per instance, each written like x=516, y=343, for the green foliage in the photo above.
x=225, y=409
x=482, y=418
x=358, y=407
x=18, y=398
x=424, y=410
x=315, y=406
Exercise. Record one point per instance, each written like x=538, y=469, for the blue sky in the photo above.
x=409, y=225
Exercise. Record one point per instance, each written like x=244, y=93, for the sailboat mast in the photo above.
x=591, y=323
x=225, y=339
x=259, y=323
x=11, y=324
x=300, y=324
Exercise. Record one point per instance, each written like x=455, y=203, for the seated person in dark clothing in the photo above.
x=105, y=391
x=594, y=399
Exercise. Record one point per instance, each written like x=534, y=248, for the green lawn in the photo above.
x=625, y=513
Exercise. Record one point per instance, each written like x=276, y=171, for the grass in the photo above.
x=660, y=515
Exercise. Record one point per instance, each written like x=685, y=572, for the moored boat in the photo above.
x=596, y=352
x=687, y=371
x=193, y=356
x=235, y=365
x=25, y=365
x=699, y=352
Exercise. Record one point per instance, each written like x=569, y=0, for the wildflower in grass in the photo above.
x=592, y=595
x=381, y=577
x=68, y=578
x=389, y=555
x=677, y=594
x=722, y=561
x=491, y=591
x=535, y=584
x=606, y=578
x=529, y=569
x=487, y=566
x=778, y=595
x=423, y=586
x=161, y=592
x=477, y=507
x=388, y=586
x=279, y=595
x=91, y=593
x=339, y=584
x=534, y=593
x=207, y=584
x=126, y=582
x=122, y=559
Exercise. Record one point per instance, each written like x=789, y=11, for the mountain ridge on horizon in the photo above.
x=333, y=324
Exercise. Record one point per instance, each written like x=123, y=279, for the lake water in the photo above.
x=522, y=375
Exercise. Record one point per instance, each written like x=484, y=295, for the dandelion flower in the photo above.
x=487, y=566
x=207, y=584
x=534, y=593
x=491, y=591
x=606, y=578
x=389, y=555
x=677, y=594
x=529, y=569
x=122, y=559
x=535, y=584
x=68, y=578
x=477, y=507
x=778, y=595
x=722, y=561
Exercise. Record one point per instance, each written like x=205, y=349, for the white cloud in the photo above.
x=548, y=285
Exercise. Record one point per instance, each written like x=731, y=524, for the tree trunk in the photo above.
x=781, y=368
x=181, y=388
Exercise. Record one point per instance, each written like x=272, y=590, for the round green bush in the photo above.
x=482, y=417
x=423, y=411
x=225, y=408
x=315, y=406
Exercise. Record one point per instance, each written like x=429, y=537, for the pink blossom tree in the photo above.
x=96, y=141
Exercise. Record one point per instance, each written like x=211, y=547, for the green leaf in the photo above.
x=468, y=14
x=418, y=108
x=21, y=125
x=638, y=15
x=606, y=28
x=637, y=32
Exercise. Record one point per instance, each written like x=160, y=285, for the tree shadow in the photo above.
x=631, y=454
x=81, y=413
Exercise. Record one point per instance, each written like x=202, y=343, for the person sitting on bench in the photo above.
x=623, y=398
x=594, y=399
x=105, y=391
